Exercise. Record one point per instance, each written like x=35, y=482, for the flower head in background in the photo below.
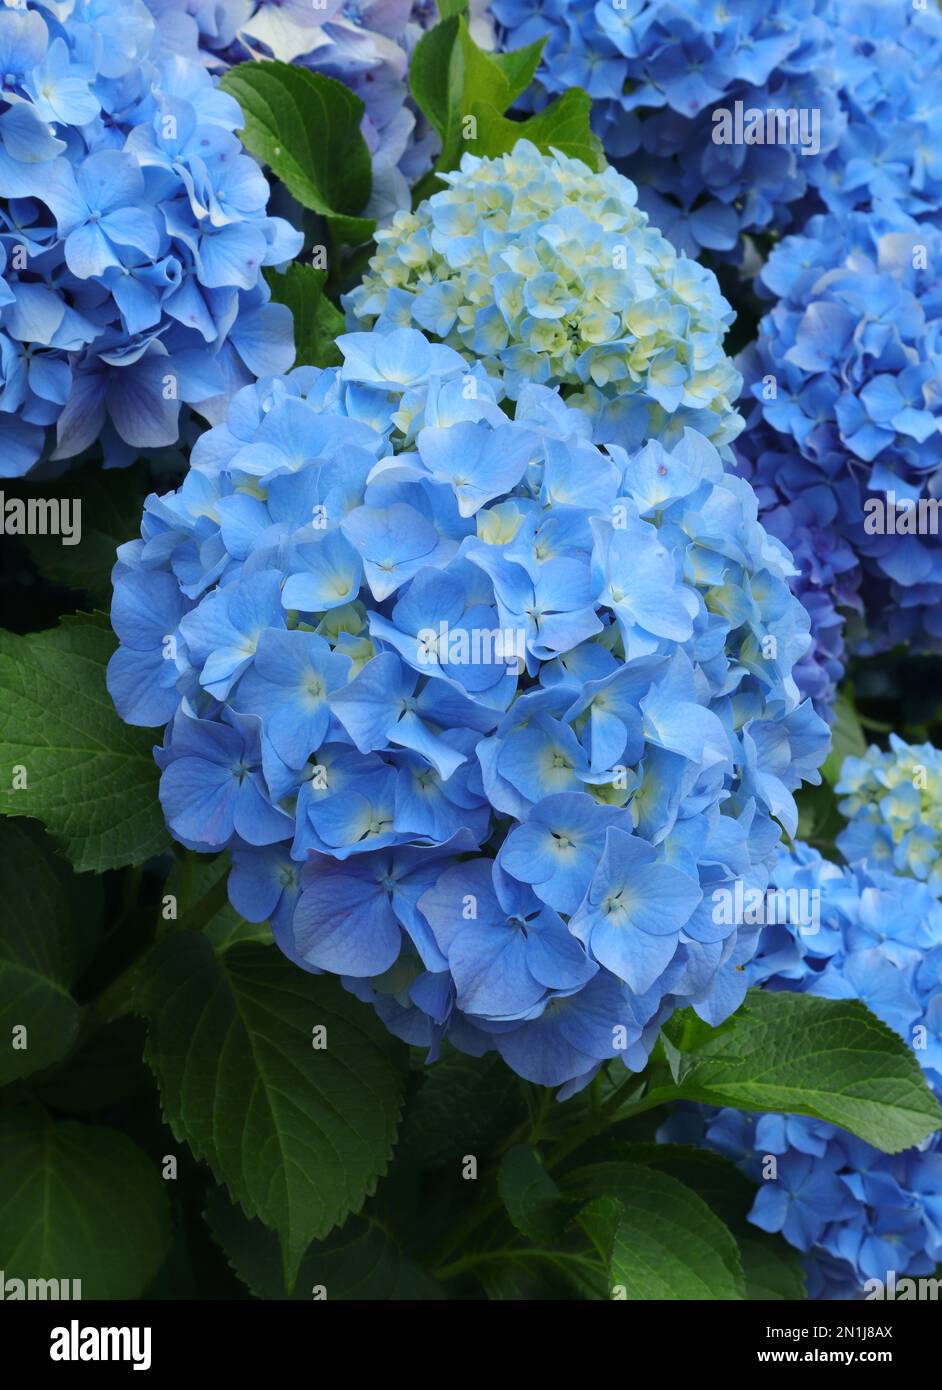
x=484, y=712
x=828, y=579
x=860, y=1217
x=844, y=444
x=855, y=1212
x=743, y=118
x=133, y=232
x=879, y=940
x=893, y=803
x=547, y=272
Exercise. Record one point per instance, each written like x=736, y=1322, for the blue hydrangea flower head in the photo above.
x=893, y=803
x=548, y=272
x=687, y=95
x=133, y=233
x=483, y=711
x=856, y=1213
x=828, y=579
x=862, y=1219
x=844, y=443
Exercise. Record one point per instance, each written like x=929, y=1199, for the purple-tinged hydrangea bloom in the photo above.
x=548, y=272
x=482, y=710
x=844, y=445
x=366, y=44
x=666, y=75
x=133, y=232
x=828, y=581
x=856, y=1213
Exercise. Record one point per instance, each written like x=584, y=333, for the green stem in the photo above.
x=213, y=901
x=487, y=1206
x=539, y=1119
x=575, y=1141
x=490, y=1203
x=118, y=998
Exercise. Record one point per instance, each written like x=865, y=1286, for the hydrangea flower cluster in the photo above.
x=482, y=711
x=893, y=804
x=857, y=1213
x=829, y=575
x=826, y=586
x=548, y=272
x=667, y=75
x=366, y=44
x=133, y=233
x=844, y=444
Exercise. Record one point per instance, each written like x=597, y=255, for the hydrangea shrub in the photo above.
x=489, y=654
x=133, y=234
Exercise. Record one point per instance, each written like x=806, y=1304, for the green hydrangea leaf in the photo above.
x=317, y=321
x=464, y=1105
x=532, y=1199
x=451, y=77
x=666, y=1243
x=306, y=128
x=800, y=1055
x=563, y=126
x=79, y=1202
x=773, y=1269
x=66, y=759
x=361, y=1261
x=39, y=1019
x=299, y=1133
